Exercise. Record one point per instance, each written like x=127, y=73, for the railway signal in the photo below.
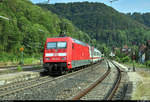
x=45, y=2
x=21, y=50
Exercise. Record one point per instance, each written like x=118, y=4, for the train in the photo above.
x=62, y=54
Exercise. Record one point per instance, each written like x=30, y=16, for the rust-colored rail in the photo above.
x=17, y=66
x=113, y=90
x=85, y=91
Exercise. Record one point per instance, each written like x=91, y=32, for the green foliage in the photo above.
x=31, y=60
x=142, y=18
x=121, y=57
x=19, y=68
x=147, y=63
x=117, y=59
x=106, y=51
x=120, y=54
x=36, y=67
x=8, y=57
x=125, y=59
x=28, y=27
x=11, y=59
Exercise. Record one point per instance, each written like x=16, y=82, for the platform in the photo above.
x=122, y=66
x=17, y=76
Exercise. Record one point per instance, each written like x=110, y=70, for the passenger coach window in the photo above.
x=61, y=45
x=51, y=45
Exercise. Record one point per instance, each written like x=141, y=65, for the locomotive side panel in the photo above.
x=69, y=53
x=80, y=55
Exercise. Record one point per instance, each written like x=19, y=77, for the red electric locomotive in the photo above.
x=65, y=53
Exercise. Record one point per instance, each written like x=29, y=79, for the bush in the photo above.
x=19, y=68
x=117, y=59
x=6, y=57
x=125, y=59
x=15, y=58
x=148, y=63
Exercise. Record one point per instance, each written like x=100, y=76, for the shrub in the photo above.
x=19, y=68
x=125, y=59
x=117, y=59
x=148, y=63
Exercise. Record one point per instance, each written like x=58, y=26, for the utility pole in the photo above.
x=22, y=60
x=111, y=1
x=92, y=57
x=133, y=55
x=133, y=59
x=63, y=28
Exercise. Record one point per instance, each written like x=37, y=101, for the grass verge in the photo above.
x=137, y=65
x=27, y=61
x=142, y=91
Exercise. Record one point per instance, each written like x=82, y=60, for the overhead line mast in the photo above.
x=46, y=2
x=111, y=1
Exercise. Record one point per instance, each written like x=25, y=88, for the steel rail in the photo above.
x=17, y=66
x=21, y=83
x=116, y=84
x=85, y=91
x=40, y=83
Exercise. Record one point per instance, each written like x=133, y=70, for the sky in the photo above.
x=124, y=6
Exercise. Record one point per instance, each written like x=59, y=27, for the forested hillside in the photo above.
x=106, y=25
x=142, y=18
x=29, y=25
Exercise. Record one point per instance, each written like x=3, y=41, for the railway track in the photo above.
x=112, y=90
x=14, y=67
x=115, y=86
x=17, y=87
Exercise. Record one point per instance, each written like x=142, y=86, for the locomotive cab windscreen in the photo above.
x=56, y=45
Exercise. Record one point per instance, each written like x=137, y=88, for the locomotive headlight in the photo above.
x=69, y=63
x=63, y=58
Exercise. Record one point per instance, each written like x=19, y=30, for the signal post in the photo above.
x=22, y=60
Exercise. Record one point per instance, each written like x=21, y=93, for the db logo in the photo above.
x=55, y=54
